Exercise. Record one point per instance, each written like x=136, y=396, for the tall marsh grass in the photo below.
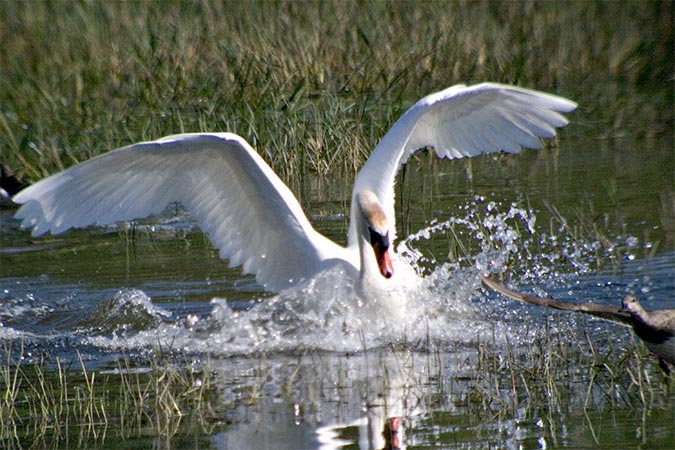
x=48, y=402
x=313, y=85
x=52, y=403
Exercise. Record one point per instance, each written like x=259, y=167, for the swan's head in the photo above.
x=374, y=229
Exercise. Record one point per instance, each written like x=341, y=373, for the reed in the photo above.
x=546, y=382
x=558, y=377
x=46, y=403
x=312, y=85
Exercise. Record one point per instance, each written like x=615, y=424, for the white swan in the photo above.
x=250, y=215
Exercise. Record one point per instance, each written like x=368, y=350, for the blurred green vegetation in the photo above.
x=312, y=85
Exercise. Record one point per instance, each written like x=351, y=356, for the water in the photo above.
x=589, y=221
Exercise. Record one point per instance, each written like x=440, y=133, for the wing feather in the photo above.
x=459, y=122
x=250, y=215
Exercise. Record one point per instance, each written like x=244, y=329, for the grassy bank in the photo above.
x=313, y=85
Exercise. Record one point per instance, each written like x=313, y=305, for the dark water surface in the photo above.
x=590, y=220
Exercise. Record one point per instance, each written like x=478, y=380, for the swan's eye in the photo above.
x=379, y=239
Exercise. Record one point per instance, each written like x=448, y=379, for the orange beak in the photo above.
x=383, y=260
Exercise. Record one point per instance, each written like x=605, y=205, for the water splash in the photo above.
x=128, y=311
x=445, y=303
x=16, y=308
x=325, y=314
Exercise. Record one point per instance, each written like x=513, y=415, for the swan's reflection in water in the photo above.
x=328, y=402
x=392, y=433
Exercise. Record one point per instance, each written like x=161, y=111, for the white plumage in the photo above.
x=250, y=215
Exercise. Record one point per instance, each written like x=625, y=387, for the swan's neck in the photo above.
x=383, y=298
x=376, y=270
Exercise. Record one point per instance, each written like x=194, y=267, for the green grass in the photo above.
x=556, y=382
x=52, y=403
x=48, y=402
x=313, y=85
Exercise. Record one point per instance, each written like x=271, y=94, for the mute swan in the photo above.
x=252, y=217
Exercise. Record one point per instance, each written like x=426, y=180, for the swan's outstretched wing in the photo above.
x=458, y=122
x=248, y=212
